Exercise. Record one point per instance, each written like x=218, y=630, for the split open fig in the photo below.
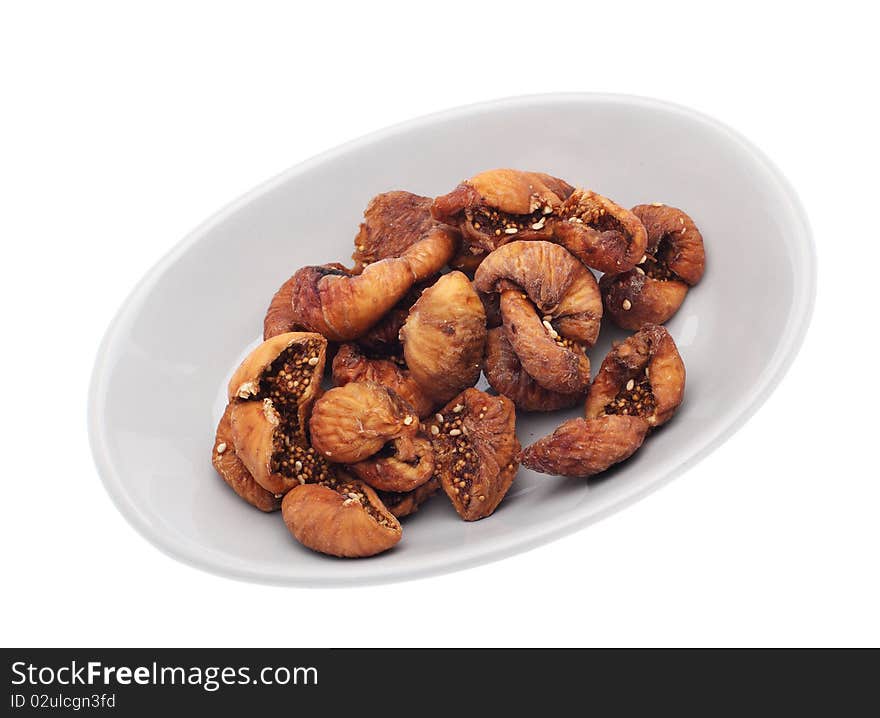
x=444, y=336
x=342, y=518
x=642, y=376
x=475, y=451
x=400, y=223
x=600, y=233
x=674, y=261
x=497, y=206
x=233, y=471
x=271, y=396
x=585, y=447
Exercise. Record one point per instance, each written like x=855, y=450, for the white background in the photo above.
x=123, y=128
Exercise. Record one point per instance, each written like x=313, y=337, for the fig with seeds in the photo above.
x=600, y=233
x=550, y=311
x=475, y=451
x=642, y=376
x=342, y=518
x=497, y=206
x=674, y=261
x=271, y=396
x=233, y=471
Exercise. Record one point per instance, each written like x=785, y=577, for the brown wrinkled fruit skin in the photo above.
x=585, y=447
x=562, y=369
x=351, y=364
x=280, y=316
x=351, y=423
x=444, y=336
x=383, y=339
x=234, y=472
x=477, y=465
x=672, y=233
x=254, y=413
x=556, y=283
x=506, y=376
x=325, y=520
x=468, y=259
x=600, y=233
x=409, y=465
x=633, y=299
x=674, y=260
x=528, y=199
x=651, y=360
x=542, y=282
x=406, y=503
x=394, y=223
x=343, y=307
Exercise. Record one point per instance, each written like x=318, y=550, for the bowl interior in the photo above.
x=158, y=384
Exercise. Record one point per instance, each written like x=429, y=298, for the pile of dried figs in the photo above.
x=495, y=278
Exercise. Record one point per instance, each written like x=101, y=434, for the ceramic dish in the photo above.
x=158, y=382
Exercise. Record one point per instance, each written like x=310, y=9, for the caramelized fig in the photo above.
x=674, y=261
x=497, y=206
x=444, y=336
x=600, y=233
x=398, y=223
x=272, y=393
x=342, y=307
x=506, y=376
x=584, y=447
x=475, y=451
x=352, y=364
x=408, y=502
x=550, y=309
x=342, y=518
x=642, y=376
x=235, y=473
x=400, y=466
x=351, y=423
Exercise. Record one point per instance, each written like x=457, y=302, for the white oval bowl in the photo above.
x=157, y=385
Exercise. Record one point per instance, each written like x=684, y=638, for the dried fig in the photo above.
x=352, y=364
x=497, y=206
x=444, y=336
x=506, y=376
x=272, y=393
x=674, y=261
x=475, y=451
x=398, y=466
x=550, y=309
x=468, y=259
x=408, y=502
x=342, y=307
x=398, y=223
x=600, y=233
x=383, y=339
x=584, y=447
x=351, y=423
x=280, y=315
x=642, y=376
x=235, y=473
x=342, y=518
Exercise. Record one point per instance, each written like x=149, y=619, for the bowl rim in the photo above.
x=787, y=349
